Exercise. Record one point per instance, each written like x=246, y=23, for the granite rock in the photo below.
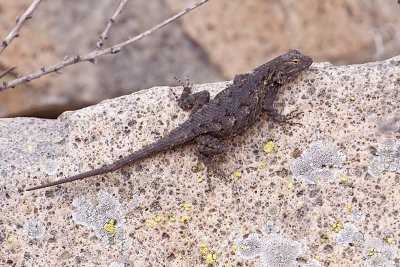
x=160, y=211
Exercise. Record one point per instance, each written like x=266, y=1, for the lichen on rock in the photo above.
x=318, y=160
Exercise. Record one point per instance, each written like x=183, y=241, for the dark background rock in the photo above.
x=212, y=43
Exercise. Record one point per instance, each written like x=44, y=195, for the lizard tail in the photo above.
x=175, y=138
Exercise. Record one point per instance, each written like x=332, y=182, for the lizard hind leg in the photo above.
x=209, y=146
x=187, y=100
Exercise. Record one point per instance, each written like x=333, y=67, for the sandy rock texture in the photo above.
x=323, y=193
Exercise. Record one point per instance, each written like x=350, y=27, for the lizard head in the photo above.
x=289, y=65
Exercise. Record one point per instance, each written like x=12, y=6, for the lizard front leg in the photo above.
x=188, y=100
x=268, y=105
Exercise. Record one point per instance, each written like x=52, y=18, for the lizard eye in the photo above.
x=295, y=60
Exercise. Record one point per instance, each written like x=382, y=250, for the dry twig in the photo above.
x=20, y=22
x=104, y=34
x=7, y=71
x=94, y=54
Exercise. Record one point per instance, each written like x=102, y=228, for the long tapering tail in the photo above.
x=177, y=137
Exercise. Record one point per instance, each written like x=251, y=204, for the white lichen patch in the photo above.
x=312, y=263
x=357, y=214
x=273, y=249
x=280, y=252
x=249, y=247
x=350, y=235
x=133, y=202
x=100, y=217
x=390, y=123
x=318, y=160
x=270, y=228
x=387, y=159
x=50, y=166
x=378, y=253
x=34, y=229
x=116, y=264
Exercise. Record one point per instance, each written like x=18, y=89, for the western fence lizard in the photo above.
x=230, y=113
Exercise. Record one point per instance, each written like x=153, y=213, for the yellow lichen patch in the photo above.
x=352, y=98
x=317, y=257
x=290, y=185
x=349, y=208
x=344, y=180
x=203, y=249
x=237, y=174
x=25, y=201
x=10, y=239
x=172, y=218
x=185, y=219
x=200, y=180
x=337, y=227
x=150, y=223
x=372, y=252
x=211, y=258
x=269, y=146
x=245, y=247
x=234, y=247
x=157, y=218
x=228, y=265
x=187, y=206
x=324, y=238
x=110, y=227
x=261, y=164
x=389, y=240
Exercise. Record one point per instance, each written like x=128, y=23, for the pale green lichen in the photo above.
x=387, y=158
x=34, y=229
x=270, y=228
x=318, y=160
x=280, y=252
x=350, y=235
x=249, y=247
x=378, y=253
x=312, y=263
x=116, y=264
x=274, y=250
x=98, y=217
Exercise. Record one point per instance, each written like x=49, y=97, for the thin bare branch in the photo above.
x=20, y=22
x=7, y=71
x=104, y=34
x=94, y=54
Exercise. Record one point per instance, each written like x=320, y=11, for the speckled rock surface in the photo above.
x=283, y=195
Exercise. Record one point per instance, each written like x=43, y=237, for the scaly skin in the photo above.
x=230, y=113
